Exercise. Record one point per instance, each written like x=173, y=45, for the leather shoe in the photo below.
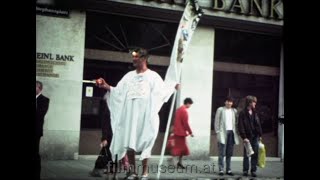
x=230, y=173
x=95, y=173
x=180, y=165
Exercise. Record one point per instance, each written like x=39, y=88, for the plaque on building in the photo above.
x=50, y=10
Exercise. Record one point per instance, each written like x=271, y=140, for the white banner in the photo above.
x=186, y=28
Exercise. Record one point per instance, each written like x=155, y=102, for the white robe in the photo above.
x=134, y=105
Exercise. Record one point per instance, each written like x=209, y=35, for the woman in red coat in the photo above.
x=181, y=130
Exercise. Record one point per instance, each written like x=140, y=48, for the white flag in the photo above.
x=187, y=26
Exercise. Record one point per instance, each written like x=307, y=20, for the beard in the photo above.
x=135, y=63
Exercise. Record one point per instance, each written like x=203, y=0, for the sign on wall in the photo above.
x=47, y=61
x=269, y=9
x=49, y=10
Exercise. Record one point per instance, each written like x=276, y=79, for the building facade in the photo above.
x=236, y=50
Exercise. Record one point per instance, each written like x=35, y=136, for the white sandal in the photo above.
x=132, y=176
x=144, y=177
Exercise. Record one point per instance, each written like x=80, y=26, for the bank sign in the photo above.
x=269, y=9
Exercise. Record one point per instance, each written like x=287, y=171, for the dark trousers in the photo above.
x=254, y=157
x=226, y=150
x=37, y=158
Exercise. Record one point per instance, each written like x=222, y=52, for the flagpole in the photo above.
x=165, y=138
x=185, y=30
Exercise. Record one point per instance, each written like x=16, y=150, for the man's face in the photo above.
x=253, y=105
x=228, y=104
x=137, y=60
x=38, y=90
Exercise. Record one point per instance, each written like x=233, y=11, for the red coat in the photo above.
x=181, y=124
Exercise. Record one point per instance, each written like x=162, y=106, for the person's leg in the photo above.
x=180, y=149
x=180, y=160
x=221, y=149
x=179, y=164
x=145, y=167
x=111, y=164
x=229, y=151
x=125, y=163
x=254, y=157
x=132, y=161
x=38, y=158
x=245, y=162
x=98, y=165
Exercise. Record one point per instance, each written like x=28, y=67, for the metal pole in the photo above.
x=165, y=139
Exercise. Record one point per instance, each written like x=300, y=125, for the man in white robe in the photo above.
x=134, y=105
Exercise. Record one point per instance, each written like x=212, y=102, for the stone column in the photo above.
x=60, y=59
x=196, y=82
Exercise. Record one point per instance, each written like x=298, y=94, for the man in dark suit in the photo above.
x=104, y=116
x=42, y=105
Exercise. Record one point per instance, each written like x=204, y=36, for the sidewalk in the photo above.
x=196, y=169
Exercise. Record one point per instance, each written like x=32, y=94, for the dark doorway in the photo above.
x=248, y=49
x=237, y=85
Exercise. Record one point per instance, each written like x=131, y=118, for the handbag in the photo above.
x=171, y=142
x=103, y=159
